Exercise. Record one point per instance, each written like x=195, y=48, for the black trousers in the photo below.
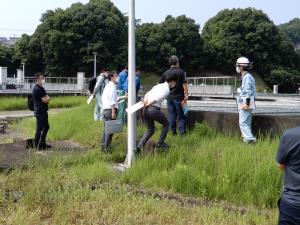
x=288, y=214
x=151, y=114
x=106, y=138
x=42, y=127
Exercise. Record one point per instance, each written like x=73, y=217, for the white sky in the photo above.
x=22, y=16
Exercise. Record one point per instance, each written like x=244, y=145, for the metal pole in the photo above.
x=95, y=63
x=131, y=138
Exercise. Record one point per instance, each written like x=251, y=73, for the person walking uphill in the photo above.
x=247, y=92
x=40, y=102
x=178, y=96
x=152, y=104
x=288, y=159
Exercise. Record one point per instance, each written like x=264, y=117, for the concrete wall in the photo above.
x=229, y=122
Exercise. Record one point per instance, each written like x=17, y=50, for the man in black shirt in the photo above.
x=288, y=159
x=40, y=101
x=178, y=96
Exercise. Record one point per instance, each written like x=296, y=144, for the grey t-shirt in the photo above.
x=289, y=154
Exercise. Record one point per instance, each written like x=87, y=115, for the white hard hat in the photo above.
x=242, y=61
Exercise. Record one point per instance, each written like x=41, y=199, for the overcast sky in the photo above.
x=22, y=16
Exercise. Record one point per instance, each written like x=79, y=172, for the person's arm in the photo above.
x=46, y=99
x=162, y=79
x=98, y=84
x=113, y=112
x=283, y=152
x=248, y=86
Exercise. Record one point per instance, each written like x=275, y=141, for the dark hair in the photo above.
x=126, y=67
x=171, y=77
x=245, y=68
x=37, y=75
x=110, y=75
x=173, y=60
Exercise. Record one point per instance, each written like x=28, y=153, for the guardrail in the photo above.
x=212, y=85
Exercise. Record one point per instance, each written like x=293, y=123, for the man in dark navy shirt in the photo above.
x=288, y=158
x=40, y=101
x=178, y=96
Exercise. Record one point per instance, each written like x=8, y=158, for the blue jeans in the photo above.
x=288, y=214
x=245, y=118
x=175, y=111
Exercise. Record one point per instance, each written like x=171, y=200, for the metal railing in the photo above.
x=223, y=85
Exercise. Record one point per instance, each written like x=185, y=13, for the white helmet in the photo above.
x=242, y=61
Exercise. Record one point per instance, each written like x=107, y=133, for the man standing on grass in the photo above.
x=110, y=107
x=152, y=105
x=40, y=102
x=288, y=159
x=178, y=96
x=247, y=91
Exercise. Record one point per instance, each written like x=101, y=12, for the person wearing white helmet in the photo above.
x=247, y=93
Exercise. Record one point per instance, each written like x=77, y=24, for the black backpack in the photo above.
x=30, y=104
x=92, y=84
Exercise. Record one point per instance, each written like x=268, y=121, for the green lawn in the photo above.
x=20, y=103
x=204, y=164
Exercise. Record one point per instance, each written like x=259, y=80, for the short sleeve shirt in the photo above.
x=176, y=93
x=38, y=92
x=109, y=96
x=289, y=154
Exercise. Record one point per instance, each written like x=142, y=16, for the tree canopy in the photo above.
x=292, y=29
x=65, y=40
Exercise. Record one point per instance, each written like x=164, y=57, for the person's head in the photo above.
x=126, y=68
x=105, y=72
x=174, y=61
x=112, y=76
x=39, y=78
x=138, y=71
x=171, y=79
x=242, y=65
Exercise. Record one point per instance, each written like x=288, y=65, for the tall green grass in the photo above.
x=204, y=163
x=211, y=165
x=20, y=103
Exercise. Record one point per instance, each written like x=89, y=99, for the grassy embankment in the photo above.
x=204, y=164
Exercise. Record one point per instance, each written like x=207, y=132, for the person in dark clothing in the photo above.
x=40, y=101
x=288, y=159
x=152, y=105
x=178, y=96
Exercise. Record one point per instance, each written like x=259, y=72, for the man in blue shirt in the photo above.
x=122, y=79
x=247, y=91
x=288, y=159
x=137, y=82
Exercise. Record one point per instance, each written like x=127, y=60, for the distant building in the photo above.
x=9, y=41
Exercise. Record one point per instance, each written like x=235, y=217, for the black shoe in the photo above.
x=43, y=147
x=138, y=150
x=162, y=146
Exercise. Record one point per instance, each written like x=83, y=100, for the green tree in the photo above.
x=6, y=58
x=246, y=32
x=65, y=40
x=292, y=29
x=179, y=36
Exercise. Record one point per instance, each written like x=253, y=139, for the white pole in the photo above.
x=131, y=138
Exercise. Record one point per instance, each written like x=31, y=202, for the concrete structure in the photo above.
x=9, y=41
x=80, y=80
x=3, y=77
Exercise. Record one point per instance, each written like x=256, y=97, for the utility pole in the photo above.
x=131, y=137
x=95, y=63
